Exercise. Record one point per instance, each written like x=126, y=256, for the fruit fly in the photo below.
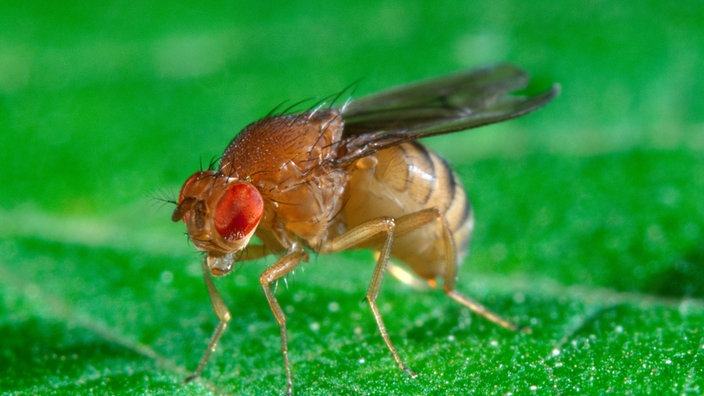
x=332, y=179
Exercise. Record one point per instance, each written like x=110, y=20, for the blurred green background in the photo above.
x=590, y=221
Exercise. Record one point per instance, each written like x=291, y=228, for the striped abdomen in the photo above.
x=402, y=180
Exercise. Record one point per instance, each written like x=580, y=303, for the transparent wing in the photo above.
x=442, y=105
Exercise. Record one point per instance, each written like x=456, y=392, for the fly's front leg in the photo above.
x=223, y=314
x=285, y=265
x=220, y=266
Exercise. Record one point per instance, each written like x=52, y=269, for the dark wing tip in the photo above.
x=535, y=102
x=555, y=90
x=441, y=105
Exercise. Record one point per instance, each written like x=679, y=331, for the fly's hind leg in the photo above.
x=450, y=280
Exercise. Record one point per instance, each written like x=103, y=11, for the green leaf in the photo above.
x=589, y=213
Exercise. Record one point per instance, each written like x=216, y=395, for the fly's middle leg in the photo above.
x=359, y=235
x=386, y=228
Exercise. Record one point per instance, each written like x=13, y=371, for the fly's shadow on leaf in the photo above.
x=684, y=278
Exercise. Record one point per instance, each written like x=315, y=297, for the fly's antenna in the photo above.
x=163, y=197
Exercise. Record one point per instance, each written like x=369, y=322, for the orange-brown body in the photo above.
x=288, y=159
x=329, y=180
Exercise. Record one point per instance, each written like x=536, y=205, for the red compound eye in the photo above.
x=238, y=211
